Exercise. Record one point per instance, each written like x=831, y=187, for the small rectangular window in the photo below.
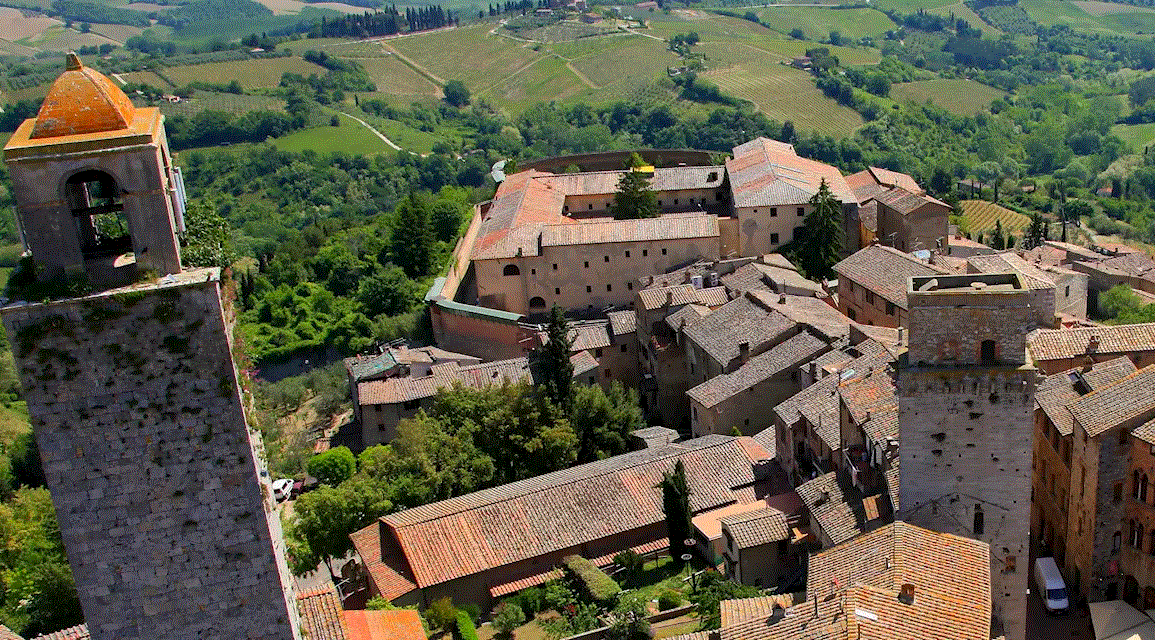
x=589, y=289
x=645, y=252
x=630, y=286
x=607, y=373
x=801, y=211
x=675, y=201
x=533, y=272
x=597, y=353
x=557, y=291
x=1067, y=292
x=627, y=254
x=609, y=288
x=663, y=252
x=555, y=266
x=607, y=259
x=587, y=264
x=890, y=308
x=591, y=206
x=625, y=348
x=773, y=212
x=774, y=239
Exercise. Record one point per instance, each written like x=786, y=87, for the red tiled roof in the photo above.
x=321, y=614
x=495, y=527
x=1060, y=344
x=1057, y=391
x=1120, y=402
x=394, y=624
x=766, y=172
x=8, y=634
x=384, y=562
x=79, y=632
x=905, y=202
x=791, y=352
x=671, y=227
x=756, y=528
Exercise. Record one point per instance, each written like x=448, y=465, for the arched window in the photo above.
x=1135, y=484
x=511, y=270
x=979, y=524
x=1143, y=488
x=988, y=352
x=94, y=198
x=537, y=303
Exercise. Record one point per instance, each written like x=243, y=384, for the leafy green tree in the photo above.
x=438, y=457
x=323, y=519
x=603, y=421
x=334, y=466
x=676, y=506
x=388, y=291
x=412, y=237
x=456, y=93
x=1074, y=210
x=999, y=239
x=446, y=218
x=822, y=239
x=1120, y=301
x=634, y=197
x=38, y=594
x=208, y=240
x=552, y=359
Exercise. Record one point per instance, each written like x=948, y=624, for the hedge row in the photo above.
x=463, y=628
x=597, y=585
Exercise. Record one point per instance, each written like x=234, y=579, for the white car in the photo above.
x=282, y=488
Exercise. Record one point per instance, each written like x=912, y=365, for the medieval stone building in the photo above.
x=966, y=400
x=125, y=361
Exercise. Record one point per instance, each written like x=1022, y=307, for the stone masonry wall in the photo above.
x=168, y=524
x=966, y=446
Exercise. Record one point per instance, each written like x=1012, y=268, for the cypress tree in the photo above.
x=554, y=365
x=676, y=505
x=822, y=241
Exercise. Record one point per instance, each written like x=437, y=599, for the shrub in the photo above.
x=669, y=600
x=473, y=611
x=463, y=627
x=509, y=617
x=532, y=600
x=629, y=561
x=597, y=585
x=441, y=613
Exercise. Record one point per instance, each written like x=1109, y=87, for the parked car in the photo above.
x=304, y=486
x=1052, y=589
x=281, y=488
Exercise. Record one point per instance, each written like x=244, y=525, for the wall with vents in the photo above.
x=168, y=524
x=966, y=443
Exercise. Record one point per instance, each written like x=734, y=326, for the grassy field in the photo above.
x=779, y=91
x=251, y=74
x=818, y=22
x=490, y=58
x=960, y=10
x=983, y=215
x=405, y=136
x=963, y=97
x=351, y=137
x=911, y=6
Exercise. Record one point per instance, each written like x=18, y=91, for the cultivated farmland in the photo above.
x=490, y=58
x=251, y=74
x=228, y=102
x=779, y=91
x=983, y=215
x=963, y=97
x=394, y=77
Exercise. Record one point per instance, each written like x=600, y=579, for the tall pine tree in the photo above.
x=634, y=198
x=676, y=505
x=412, y=236
x=554, y=366
x=823, y=237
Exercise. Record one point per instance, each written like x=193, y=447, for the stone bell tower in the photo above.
x=132, y=388
x=966, y=396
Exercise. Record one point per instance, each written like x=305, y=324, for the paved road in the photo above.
x=1075, y=625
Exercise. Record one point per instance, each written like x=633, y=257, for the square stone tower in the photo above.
x=966, y=401
x=134, y=396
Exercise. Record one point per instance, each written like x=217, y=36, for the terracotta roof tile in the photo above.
x=835, y=512
x=495, y=527
x=1060, y=344
x=824, y=319
x=885, y=271
x=740, y=320
x=1032, y=276
x=384, y=562
x=712, y=297
x=79, y=632
x=396, y=624
x=766, y=172
x=689, y=314
x=8, y=634
x=676, y=295
x=81, y=101
x=904, y=201
x=1056, y=392
x=742, y=609
x=623, y=323
x=669, y=227
x=756, y=528
x=321, y=614
x=1125, y=400
x=792, y=352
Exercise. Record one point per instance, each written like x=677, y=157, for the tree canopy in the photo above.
x=821, y=240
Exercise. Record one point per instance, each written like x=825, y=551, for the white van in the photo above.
x=1050, y=584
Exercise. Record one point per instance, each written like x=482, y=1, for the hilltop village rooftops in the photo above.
x=756, y=528
x=790, y=353
x=1061, y=344
x=854, y=592
x=438, y=542
x=1057, y=392
x=885, y=271
x=873, y=181
x=1033, y=276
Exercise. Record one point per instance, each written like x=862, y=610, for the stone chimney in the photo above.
x=1093, y=344
x=906, y=595
x=669, y=299
x=743, y=352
